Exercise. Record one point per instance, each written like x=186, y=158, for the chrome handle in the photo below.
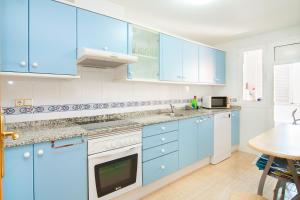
x=27, y=155
x=35, y=64
x=23, y=64
x=40, y=152
x=163, y=139
x=163, y=167
x=163, y=128
x=65, y=145
x=163, y=150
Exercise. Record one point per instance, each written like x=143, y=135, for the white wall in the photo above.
x=94, y=86
x=255, y=116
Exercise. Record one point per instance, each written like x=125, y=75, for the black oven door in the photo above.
x=219, y=102
x=116, y=174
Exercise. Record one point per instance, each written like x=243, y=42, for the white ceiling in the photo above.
x=212, y=21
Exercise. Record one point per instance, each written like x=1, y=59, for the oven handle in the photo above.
x=109, y=153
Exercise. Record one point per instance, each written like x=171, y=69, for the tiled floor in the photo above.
x=217, y=182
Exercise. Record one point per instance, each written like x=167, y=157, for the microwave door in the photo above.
x=219, y=102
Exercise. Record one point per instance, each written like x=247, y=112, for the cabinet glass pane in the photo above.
x=145, y=45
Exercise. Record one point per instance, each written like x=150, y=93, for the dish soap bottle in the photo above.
x=194, y=103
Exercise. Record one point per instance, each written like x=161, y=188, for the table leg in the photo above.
x=295, y=175
x=264, y=176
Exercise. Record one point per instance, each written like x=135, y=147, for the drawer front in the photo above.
x=160, y=167
x=160, y=139
x=160, y=128
x=159, y=151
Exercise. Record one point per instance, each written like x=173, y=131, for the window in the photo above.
x=252, y=75
x=287, y=83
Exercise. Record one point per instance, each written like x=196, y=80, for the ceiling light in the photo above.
x=196, y=2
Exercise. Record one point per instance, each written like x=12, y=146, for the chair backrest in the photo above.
x=294, y=117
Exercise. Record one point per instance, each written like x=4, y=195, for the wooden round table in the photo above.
x=282, y=141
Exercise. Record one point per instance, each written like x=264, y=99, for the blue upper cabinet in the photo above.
x=190, y=62
x=235, y=127
x=18, y=177
x=52, y=36
x=14, y=35
x=220, y=67
x=170, y=58
x=206, y=65
x=100, y=32
x=188, y=142
x=60, y=173
x=205, y=137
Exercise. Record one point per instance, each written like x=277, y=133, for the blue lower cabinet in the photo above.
x=52, y=37
x=235, y=128
x=60, y=171
x=160, y=167
x=188, y=142
x=160, y=151
x=160, y=139
x=18, y=177
x=205, y=137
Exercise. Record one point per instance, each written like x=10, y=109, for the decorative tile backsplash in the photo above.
x=87, y=106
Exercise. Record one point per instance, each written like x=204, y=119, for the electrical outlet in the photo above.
x=23, y=102
x=19, y=102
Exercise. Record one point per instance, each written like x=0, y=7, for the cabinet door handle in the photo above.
x=40, y=152
x=65, y=145
x=163, y=139
x=163, y=150
x=35, y=64
x=27, y=155
x=163, y=128
x=23, y=64
x=163, y=167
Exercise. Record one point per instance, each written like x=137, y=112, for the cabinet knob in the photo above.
x=23, y=64
x=105, y=48
x=163, y=167
x=163, y=128
x=163, y=150
x=40, y=152
x=27, y=155
x=35, y=64
x=163, y=139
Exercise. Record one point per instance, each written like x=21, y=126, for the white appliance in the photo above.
x=114, y=161
x=222, y=137
x=103, y=58
x=215, y=102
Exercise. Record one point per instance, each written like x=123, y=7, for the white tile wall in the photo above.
x=94, y=86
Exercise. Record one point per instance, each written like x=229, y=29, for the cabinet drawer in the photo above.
x=160, y=167
x=160, y=128
x=159, y=151
x=160, y=139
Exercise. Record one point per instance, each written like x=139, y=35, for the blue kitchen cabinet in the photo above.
x=18, y=177
x=14, y=35
x=188, y=142
x=206, y=65
x=170, y=58
x=205, y=137
x=60, y=171
x=190, y=62
x=220, y=64
x=52, y=37
x=101, y=32
x=235, y=127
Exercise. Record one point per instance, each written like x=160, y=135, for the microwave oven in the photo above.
x=215, y=102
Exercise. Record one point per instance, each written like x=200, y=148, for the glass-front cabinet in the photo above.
x=144, y=44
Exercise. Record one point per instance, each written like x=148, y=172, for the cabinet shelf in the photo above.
x=145, y=56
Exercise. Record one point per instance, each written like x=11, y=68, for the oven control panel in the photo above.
x=102, y=144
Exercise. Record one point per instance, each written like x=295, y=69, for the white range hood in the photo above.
x=103, y=59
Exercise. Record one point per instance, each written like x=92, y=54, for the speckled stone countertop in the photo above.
x=51, y=130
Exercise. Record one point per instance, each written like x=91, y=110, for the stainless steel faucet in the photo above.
x=172, y=108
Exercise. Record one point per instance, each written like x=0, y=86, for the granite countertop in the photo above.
x=51, y=130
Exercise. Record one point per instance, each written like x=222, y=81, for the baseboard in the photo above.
x=147, y=189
